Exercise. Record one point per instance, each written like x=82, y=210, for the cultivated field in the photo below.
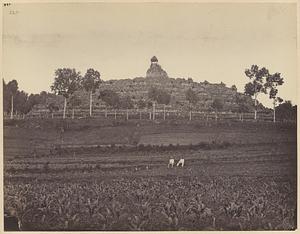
x=110, y=175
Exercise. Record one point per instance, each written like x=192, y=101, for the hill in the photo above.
x=137, y=89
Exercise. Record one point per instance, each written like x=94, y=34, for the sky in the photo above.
x=205, y=41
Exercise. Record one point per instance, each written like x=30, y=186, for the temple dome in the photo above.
x=154, y=59
x=155, y=70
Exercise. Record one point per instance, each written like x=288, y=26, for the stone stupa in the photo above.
x=155, y=70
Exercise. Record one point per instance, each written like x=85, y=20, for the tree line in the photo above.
x=16, y=101
x=67, y=81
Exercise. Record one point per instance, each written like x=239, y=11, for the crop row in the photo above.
x=221, y=203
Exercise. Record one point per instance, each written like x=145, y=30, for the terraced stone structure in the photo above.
x=156, y=76
x=137, y=89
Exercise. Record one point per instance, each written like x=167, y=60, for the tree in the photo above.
x=256, y=84
x=272, y=81
x=141, y=104
x=110, y=97
x=11, y=89
x=52, y=107
x=126, y=103
x=20, y=101
x=66, y=82
x=242, y=106
x=192, y=98
x=159, y=95
x=217, y=105
x=152, y=93
x=6, y=98
x=32, y=100
x=74, y=101
x=90, y=82
x=149, y=104
x=43, y=97
x=13, y=99
x=286, y=111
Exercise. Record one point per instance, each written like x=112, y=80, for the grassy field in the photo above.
x=238, y=176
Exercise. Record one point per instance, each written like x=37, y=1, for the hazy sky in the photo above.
x=205, y=41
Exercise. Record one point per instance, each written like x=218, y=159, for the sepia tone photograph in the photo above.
x=149, y=116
